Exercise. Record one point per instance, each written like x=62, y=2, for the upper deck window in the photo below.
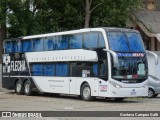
x=91, y=40
x=38, y=44
x=101, y=41
x=75, y=41
x=61, y=42
x=8, y=47
x=118, y=41
x=26, y=45
x=135, y=41
x=49, y=43
x=125, y=41
x=17, y=46
x=13, y=46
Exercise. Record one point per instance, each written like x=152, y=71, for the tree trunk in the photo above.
x=87, y=13
x=3, y=28
x=3, y=34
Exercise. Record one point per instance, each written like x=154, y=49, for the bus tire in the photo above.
x=19, y=87
x=86, y=92
x=27, y=88
x=151, y=93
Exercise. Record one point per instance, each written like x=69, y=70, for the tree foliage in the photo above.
x=27, y=17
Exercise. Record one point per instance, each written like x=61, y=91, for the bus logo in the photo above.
x=133, y=92
x=9, y=66
x=6, y=64
x=6, y=114
x=18, y=66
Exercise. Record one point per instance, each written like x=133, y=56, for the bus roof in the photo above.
x=74, y=32
x=78, y=31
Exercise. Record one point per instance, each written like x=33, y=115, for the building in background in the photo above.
x=147, y=21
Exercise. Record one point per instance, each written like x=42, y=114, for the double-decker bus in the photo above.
x=92, y=62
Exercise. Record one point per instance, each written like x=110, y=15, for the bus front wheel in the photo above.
x=19, y=87
x=86, y=92
x=27, y=88
x=151, y=93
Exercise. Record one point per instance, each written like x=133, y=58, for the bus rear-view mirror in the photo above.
x=115, y=57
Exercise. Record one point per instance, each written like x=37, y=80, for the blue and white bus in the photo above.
x=92, y=62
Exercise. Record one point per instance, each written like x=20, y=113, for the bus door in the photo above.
x=74, y=68
x=102, y=72
x=103, y=77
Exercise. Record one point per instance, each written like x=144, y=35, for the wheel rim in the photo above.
x=86, y=92
x=150, y=93
x=27, y=88
x=18, y=87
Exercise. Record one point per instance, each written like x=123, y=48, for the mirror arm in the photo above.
x=115, y=57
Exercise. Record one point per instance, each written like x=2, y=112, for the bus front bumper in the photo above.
x=129, y=92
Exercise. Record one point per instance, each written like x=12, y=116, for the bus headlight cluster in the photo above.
x=115, y=84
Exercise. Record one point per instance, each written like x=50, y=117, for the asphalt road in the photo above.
x=9, y=101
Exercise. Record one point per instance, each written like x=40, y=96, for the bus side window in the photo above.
x=49, y=44
x=62, y=69
x=91, y=40
x=26, y=45
x=103, y=69
x=49, y=69
x=101, y=41
x=75, y=41
x=61, y=42
x=38, y=44
x=8, y=46
x=37, y=69
x=17, y=47
x=75, y=70
x=95, y=69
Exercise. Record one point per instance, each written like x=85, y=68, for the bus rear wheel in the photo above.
x=86, y=92
x=27, y=88
x=19, y=87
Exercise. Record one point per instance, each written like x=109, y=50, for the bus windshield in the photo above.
x=125, y=41
x=130, y=68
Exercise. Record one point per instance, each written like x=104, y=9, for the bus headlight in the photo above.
x=115, y=84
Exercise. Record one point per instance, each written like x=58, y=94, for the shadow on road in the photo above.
x=98, y=99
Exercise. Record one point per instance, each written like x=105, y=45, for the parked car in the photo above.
x=154, y=86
